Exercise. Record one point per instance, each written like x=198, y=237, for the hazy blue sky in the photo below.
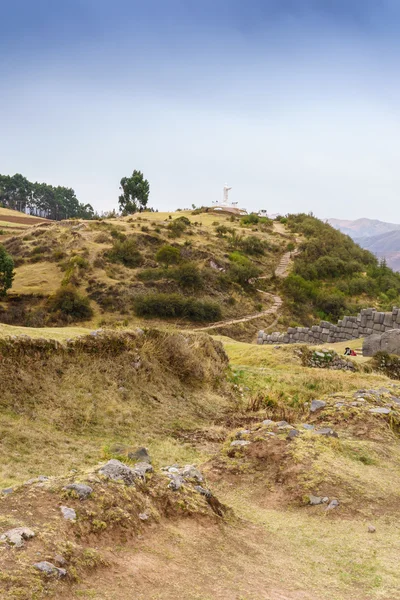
x=295, y=103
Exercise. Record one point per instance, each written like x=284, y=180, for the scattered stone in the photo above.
x=380, y=410
x=308, y=427
x=314, y=500
x=271, y=433
x=143, y=516
x=17, y=536
x=282, y=423
x=325, y=499
x=82, y=490
x=240, y=443
x=293, y=433
x=173, y=470
x=203, y=491
x=190, y=472
x=7, y=491
x=371, y=529
x=317, y=405
x=339, y=404
x=176, y=483
x=140, y=469
x=140, y=455
x=326, y=431
x=68, y=513
x=242, y=432
x=49, y=569
x=60, y=560
x=332, y=504
x=118, y=471
x=268, y=422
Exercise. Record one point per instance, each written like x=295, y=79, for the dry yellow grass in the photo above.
x=42, y=278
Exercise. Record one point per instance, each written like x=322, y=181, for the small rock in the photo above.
x=7, y=491
x=68, y=513
x=173, y=470
x=140, y=469
x=307, y=426
x=380, y=410
x=176, y=483
x=190, y=472
x=283, y=424
x=325, y=499
x=371, y=529
x=293, y=433
x=117, y=471
x=143, y=516
x=49, y=569
x=17, y=536
x=332, y=504
x=82, y=491
x=203, y=491
x=242, y=432
x=314, y=500
x=60, y=560
x=268, y=422
x=140, y=455
x=240, y=443
x=327, y=431
x=317, y=405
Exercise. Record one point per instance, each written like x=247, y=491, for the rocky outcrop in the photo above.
x=368, y=322
x=387, y=342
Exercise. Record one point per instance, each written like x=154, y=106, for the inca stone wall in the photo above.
x=368, y=322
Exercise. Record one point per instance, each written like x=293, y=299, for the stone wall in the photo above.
x=368, y=322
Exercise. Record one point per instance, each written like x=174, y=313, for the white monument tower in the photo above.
x=226, y=190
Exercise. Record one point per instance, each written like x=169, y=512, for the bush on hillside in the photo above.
x=188, y=276
x=70, y=305
x=170, y=306
x=252, y=245
x=6, y=271
x=125, y=252
x=168, y=255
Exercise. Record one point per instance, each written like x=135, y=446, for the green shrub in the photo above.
x=70, y=305
x=168, y=255
x=6, y=271
x=188, y=276
x=125, y=252
x=241, y=270
x=176, y=306
x=176, y=228
x=252, y=245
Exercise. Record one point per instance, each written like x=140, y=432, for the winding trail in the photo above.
x=281, y=271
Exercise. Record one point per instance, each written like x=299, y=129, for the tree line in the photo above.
x=42, y=199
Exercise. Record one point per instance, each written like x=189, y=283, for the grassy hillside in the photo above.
x=333, y=276
x=178, y=268
x=66, y=409
x=191, y=269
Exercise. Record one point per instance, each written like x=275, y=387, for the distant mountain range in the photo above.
x=383, y=239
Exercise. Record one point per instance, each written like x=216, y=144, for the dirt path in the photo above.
x=281, y=271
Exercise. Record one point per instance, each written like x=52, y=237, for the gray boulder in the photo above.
x=140, y=455
x=49, y=569
x=190, y=472
x=176, y=483
x=317, y=405
x=371, y=345
x=141, y=468
x=68, y=513
x=380, y=410
x=390, y=342
x=240, y=443
x=118, y=471
x=82, y=490
x=16, y=536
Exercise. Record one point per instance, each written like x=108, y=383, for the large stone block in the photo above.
x=390, y=342
x=371, y=345
x=388, y=320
